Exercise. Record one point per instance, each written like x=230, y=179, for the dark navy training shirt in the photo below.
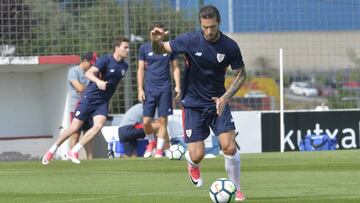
x=111, y=71
x=206, y=64
x=157, y=69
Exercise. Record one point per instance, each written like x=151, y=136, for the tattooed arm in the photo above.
x=240, y=76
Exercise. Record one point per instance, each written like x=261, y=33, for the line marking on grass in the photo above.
x=84, y=199
x=122, y=195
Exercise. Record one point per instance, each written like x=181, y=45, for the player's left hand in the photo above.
x=220, y=104
x=101, y=84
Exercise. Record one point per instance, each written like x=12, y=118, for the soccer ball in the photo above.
x=222, y=190
x=175, y=152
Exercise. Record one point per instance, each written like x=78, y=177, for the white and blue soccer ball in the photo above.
x=175, y=152
x=222, y=190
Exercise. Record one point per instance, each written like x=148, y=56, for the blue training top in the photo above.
x=111, y=71
x=206, y=64
x=157, y=69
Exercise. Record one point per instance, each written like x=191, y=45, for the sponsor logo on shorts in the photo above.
x=77, y=113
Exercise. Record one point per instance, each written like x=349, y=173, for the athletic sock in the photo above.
x=53, y=148
x=187, y=156
x=76, y=148
x=232, y=167
x=160, y=143
x=150, y=137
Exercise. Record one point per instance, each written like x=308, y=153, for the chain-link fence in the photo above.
x=320, y=40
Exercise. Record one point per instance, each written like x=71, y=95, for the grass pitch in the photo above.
x=328, y=176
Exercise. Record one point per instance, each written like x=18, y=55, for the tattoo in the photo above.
x=158, y=47
x=236, y=83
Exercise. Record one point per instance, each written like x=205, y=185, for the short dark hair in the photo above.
x=117, y=41
x=208, y=12
x=156, y=24
x=90, y=56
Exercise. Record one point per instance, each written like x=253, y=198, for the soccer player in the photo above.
x=131, y=128
x=77, y=83
x=208, y=53
x=155, y=69
x=104, y=75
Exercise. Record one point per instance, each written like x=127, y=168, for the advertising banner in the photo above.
x=342, y=125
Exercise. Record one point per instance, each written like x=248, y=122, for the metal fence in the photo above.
x=320, y=41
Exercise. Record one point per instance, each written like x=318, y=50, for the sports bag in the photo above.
x=317, y=143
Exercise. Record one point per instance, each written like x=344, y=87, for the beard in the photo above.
x=212, y=37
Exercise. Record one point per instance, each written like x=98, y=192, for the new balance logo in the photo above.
x=198, y=53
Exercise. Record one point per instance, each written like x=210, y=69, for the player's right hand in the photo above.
x=141, y=96
x=157, y=35
x=101, y=84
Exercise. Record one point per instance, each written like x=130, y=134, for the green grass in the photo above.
x=331, y=176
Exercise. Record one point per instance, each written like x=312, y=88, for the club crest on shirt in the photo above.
x=188, y=132
x=150, y=53
x=220, y=57
x=122, y=72
x=165, y=54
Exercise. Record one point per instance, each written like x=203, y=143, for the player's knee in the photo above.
x=75, y=136
x=71, y=130
x=196, y=156
x=162, y=121
x=229, y=149
x=97, y=127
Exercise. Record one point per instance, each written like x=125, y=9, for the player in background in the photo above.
x=208, y=53
x=154, y=91
x=104, y=77
x=77, y=83
x=131, y=129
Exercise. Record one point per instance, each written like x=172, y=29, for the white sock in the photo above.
x=232, y=167
x=150, y=137
x=160, y=143
x=76, y=148
x=53, y=148
x=187, y=156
